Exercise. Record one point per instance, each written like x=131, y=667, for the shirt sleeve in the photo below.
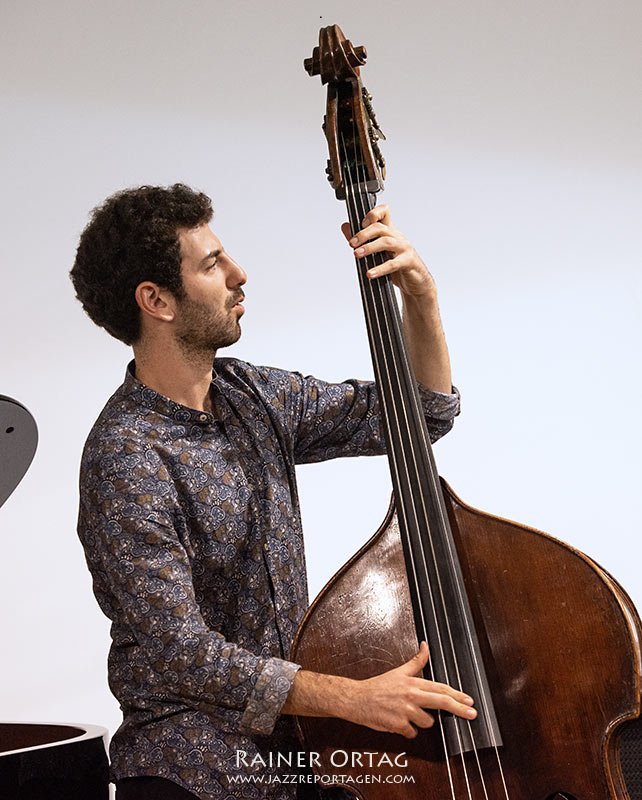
x=136, y=556
x=342, y=419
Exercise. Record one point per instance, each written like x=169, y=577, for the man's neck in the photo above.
x=170, y=371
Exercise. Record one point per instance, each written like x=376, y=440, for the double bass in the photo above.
x=543, y=638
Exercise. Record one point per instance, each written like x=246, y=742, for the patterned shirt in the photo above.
x=191, y=528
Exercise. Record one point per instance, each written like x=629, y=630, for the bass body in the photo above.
x=559, y=639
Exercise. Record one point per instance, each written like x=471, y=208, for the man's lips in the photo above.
x=237, y=302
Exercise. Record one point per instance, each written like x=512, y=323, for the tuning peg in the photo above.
x=367, y=97
x=328, y=171
x=313, y=65
x=356, y=55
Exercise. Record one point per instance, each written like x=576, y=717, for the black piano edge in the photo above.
x=53, y=761
x=20, y=737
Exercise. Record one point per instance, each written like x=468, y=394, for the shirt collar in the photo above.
x=144, y=396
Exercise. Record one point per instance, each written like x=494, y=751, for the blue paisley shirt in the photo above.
x=191, y=528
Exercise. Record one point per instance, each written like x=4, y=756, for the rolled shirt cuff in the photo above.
x=270, y=691
x=439, y=409
x=439, y=405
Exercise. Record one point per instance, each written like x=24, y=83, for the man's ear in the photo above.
x=157, y=303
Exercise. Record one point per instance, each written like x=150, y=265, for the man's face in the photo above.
x=208, y=315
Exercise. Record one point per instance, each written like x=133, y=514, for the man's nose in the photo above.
x=236, y=274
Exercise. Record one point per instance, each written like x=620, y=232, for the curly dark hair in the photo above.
x=133, y=237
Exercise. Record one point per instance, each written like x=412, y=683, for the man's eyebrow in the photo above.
x=213, y=254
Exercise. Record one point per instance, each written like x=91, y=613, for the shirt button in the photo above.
x=203, y=417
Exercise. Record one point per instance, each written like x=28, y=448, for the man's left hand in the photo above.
x=377, y=235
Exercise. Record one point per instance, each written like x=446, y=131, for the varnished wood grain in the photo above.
x=559, y=641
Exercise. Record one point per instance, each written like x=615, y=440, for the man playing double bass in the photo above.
x=189, y=514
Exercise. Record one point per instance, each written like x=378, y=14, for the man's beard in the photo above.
x=202, y=330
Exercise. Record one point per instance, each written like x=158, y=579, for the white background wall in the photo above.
x=513, y=148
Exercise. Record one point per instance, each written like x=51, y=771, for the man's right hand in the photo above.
x=394, y=702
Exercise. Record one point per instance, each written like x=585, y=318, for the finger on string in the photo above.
x=441, y=688
x=373, y=231
x=388, y=267
x=382, y=244
x=447, y=703
x=378, y=213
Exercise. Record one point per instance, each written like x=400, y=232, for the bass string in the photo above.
x=395, y=324
x=375, y=289
x=379, y=353
x=378, y=361
x=392, y=320
x=379, y=259
x=367, y=288
x=432, y=475
x=383, y=292
x=385, y=382
x=390, y=313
